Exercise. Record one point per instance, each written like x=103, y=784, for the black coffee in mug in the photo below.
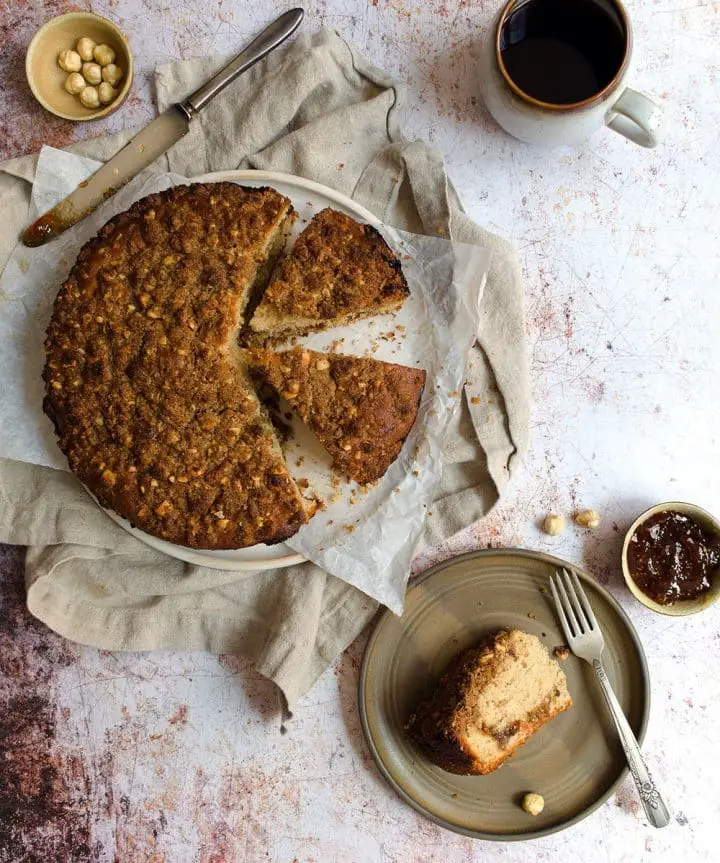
x=563, y=51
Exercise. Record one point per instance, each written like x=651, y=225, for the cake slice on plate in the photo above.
x=338, y=271
x=361, y=409
x=490, y=700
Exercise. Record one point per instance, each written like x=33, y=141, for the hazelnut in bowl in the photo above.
x=79, y=66
x=671, y=559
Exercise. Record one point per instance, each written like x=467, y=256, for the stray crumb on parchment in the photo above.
x=475, y=400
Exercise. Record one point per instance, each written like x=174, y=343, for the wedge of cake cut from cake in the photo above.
x=338, y=271
x=490, y=700
x=361, y=409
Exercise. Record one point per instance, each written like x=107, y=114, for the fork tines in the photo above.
x=573, y=607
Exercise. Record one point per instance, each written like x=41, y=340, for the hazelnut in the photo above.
x=92, y=73
x=75, y=83
x=89, y=97
x=533, y=804
x=70, y=61
x=103, y=54
x=85, y=48
x=588, y=518
x=107, y=93
x=112, y=74
x=554, y=524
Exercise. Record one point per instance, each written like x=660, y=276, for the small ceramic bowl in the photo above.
x=47, y=79
x=685, y=606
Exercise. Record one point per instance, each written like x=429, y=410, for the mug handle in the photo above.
x=635, y=116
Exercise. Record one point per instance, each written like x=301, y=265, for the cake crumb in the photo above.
x=561, y=652
x=475, y=400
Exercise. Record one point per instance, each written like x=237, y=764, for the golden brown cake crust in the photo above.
x=440, y=722
x=339, y=270
x=148, y=401
x=360, y=408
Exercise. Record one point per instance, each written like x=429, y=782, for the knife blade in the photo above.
x=137, y=154
x=155, y=139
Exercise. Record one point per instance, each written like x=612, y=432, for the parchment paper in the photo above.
x=367, y=538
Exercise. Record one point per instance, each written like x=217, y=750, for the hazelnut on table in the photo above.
x=75, y=83
x=533, y=804
x=112, y=74
x=85, y=48
x=106, y=92
x=92, y=73
x=90, y=97
x=554, y=524
x=103, y=54
x=588, y=518
x=69, y=61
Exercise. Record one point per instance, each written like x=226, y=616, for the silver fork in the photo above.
x=586, y=641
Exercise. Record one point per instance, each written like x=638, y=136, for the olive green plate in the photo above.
x=575, y=761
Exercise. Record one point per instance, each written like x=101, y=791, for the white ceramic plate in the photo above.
x=308, y=198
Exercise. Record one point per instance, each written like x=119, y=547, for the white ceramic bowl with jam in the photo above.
x=666, y=569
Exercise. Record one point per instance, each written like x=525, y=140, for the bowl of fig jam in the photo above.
x=671, y=558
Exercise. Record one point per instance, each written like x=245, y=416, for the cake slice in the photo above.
x=490, y=700
x=339, y=270
x=361, y=409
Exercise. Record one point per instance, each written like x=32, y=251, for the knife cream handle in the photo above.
x=272, y=36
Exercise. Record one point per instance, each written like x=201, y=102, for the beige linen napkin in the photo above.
x=318, y=110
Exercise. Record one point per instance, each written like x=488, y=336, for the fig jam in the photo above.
x=671, y=557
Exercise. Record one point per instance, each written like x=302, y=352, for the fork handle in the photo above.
x=654, y=805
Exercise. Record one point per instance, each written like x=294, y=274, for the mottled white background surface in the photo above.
x=176, y=757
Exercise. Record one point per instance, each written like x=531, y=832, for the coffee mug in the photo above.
x=554, y=71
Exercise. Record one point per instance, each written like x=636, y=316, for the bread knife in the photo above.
x=155, y=139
